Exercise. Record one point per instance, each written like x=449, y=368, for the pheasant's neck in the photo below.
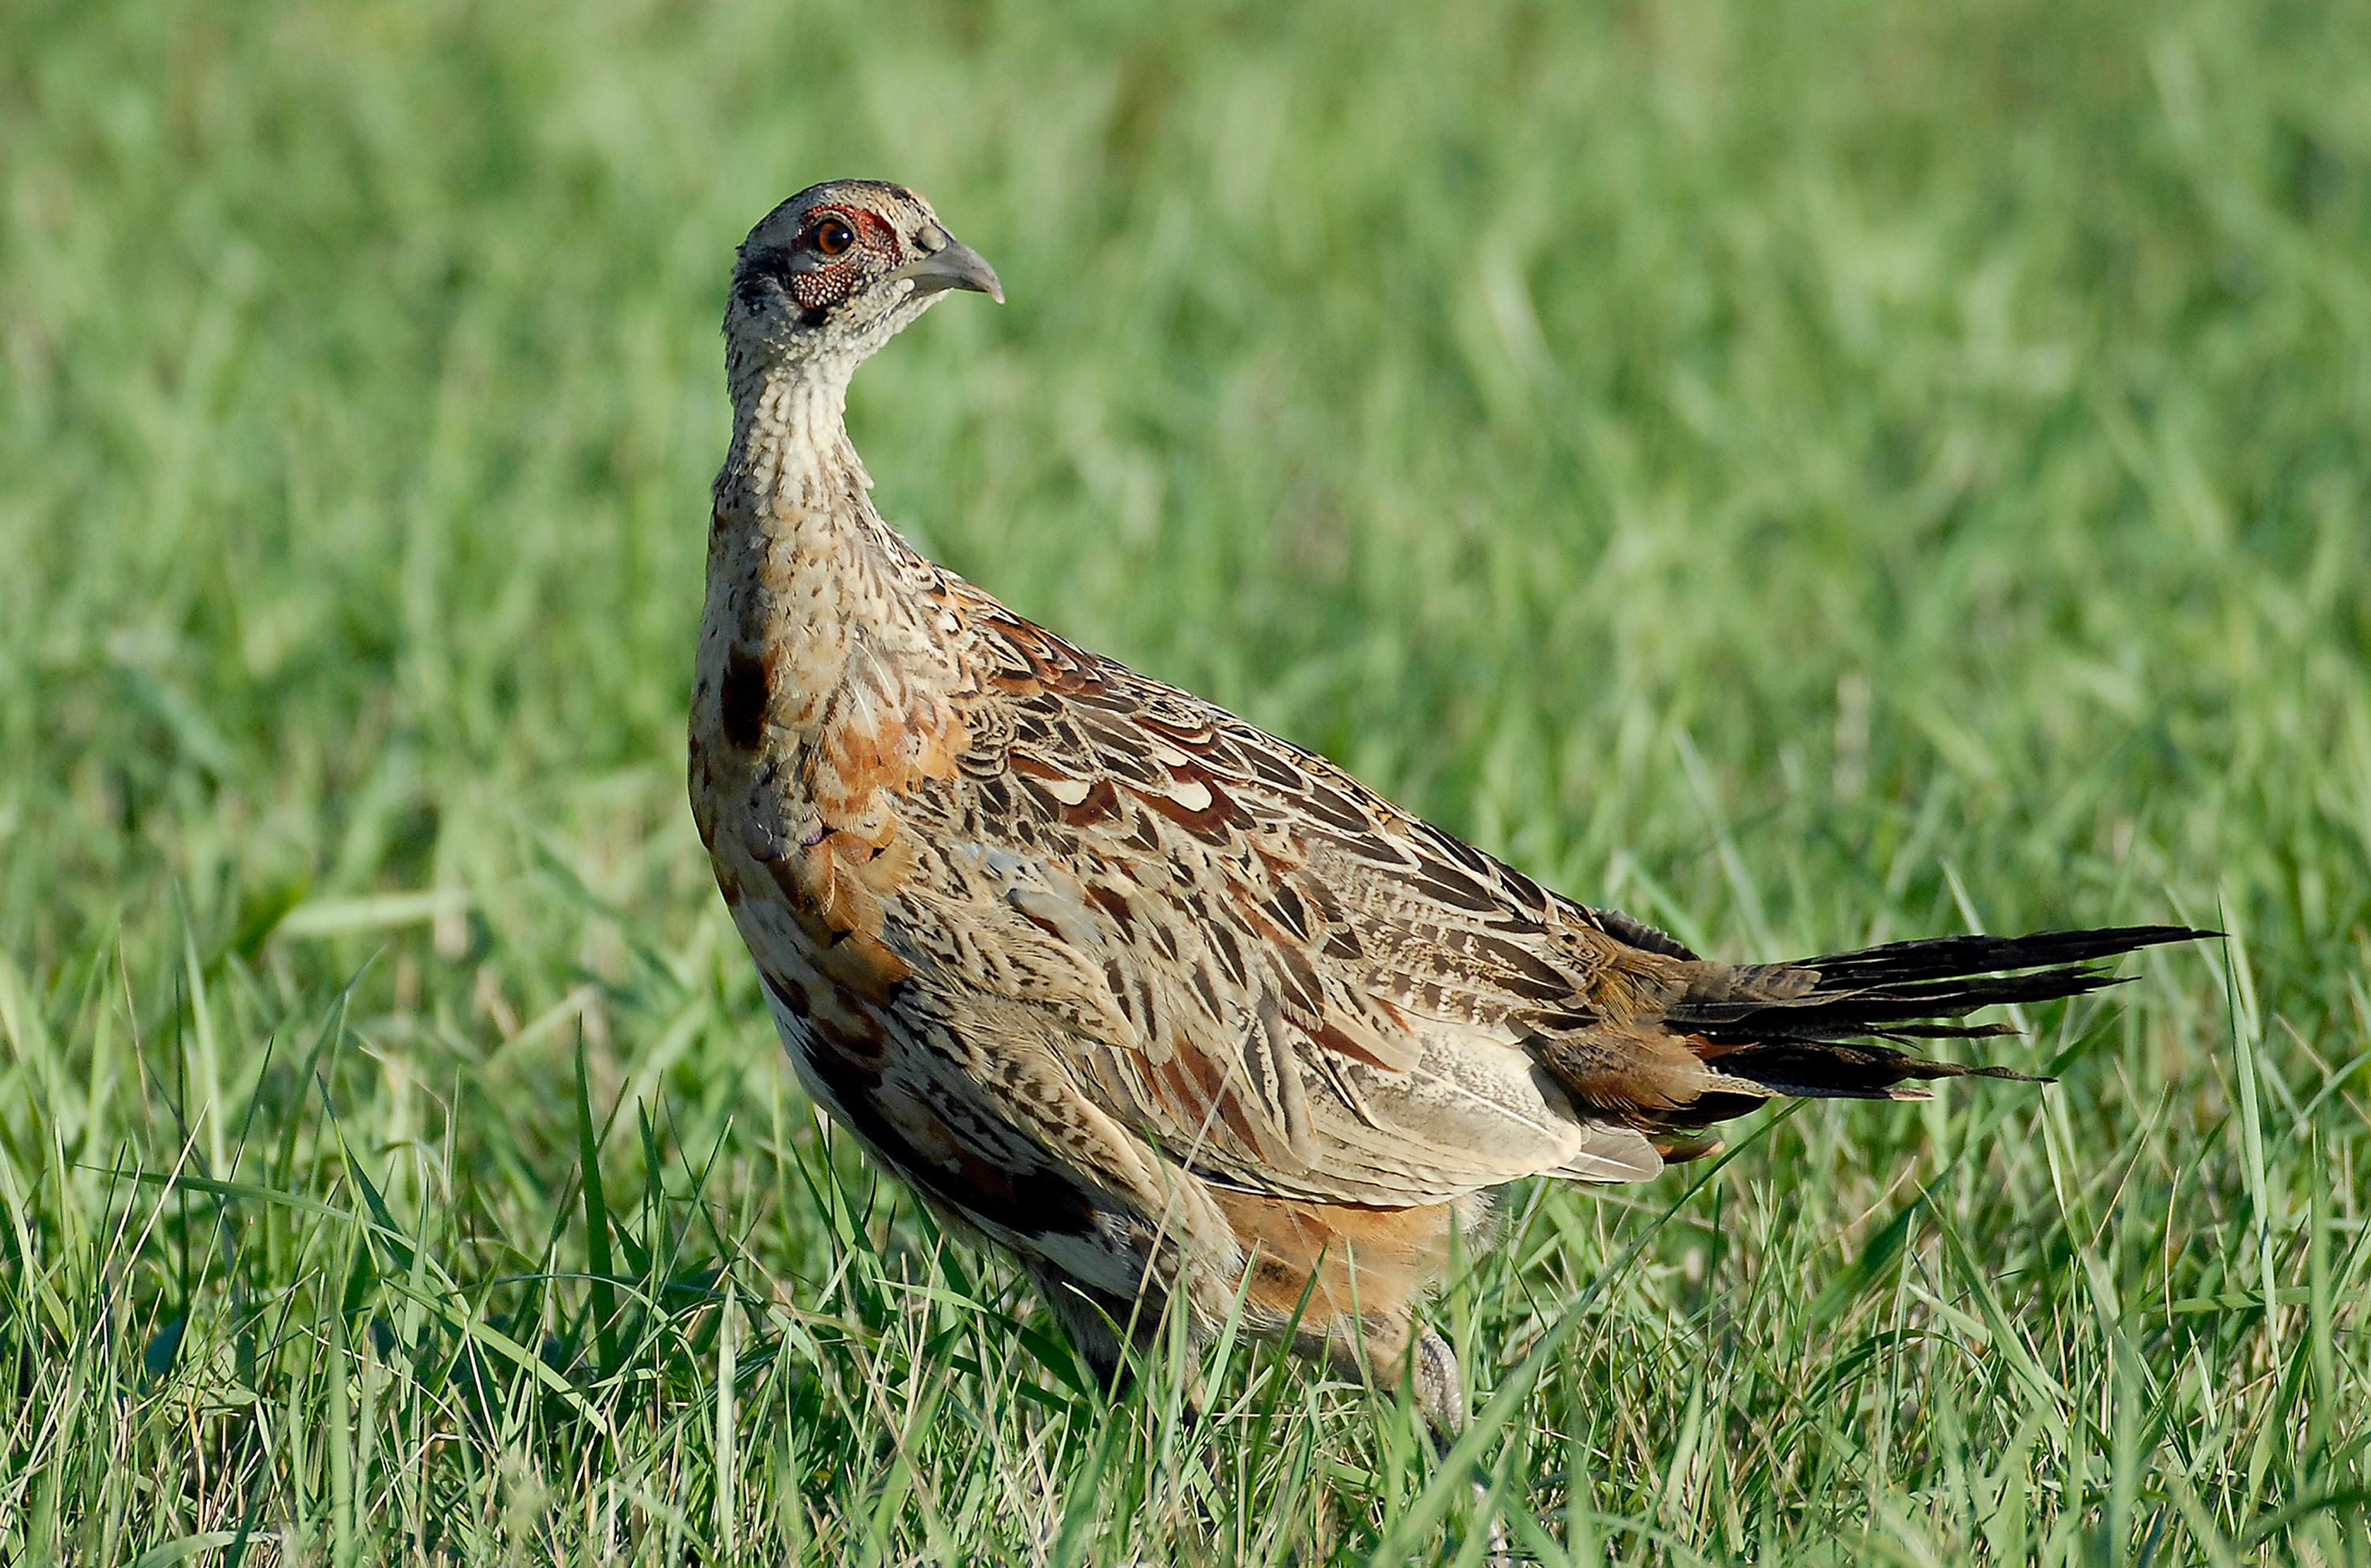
x=791, y=479
x=804, y=577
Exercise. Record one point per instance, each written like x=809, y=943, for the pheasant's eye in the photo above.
x=832, y=237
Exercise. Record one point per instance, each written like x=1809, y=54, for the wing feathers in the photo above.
x=1302, y=991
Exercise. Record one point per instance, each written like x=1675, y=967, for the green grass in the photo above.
x=1805, y=473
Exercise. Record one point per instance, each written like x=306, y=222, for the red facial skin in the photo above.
x=829, y=284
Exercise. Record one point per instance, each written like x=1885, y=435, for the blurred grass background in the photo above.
x=1806, y=473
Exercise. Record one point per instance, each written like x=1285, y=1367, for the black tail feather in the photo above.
x=1939, y=958
x=1804, y=1029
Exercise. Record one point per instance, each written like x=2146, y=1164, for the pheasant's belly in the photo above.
x=801, y=1042
x=972, y=1167
x=798, y=1043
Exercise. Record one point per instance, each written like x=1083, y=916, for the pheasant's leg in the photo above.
x=1440, y=1388
x=1392, y=1348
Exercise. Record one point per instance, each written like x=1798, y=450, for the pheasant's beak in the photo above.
x=953, y=266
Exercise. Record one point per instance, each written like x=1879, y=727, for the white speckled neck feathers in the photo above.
x=790, y=437
x=805, y=576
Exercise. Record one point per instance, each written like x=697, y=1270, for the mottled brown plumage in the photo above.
x=1173, y=1009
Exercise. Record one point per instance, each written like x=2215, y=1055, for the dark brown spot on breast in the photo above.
x=742, y=701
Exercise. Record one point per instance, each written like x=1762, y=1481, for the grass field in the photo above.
x=1805, y=473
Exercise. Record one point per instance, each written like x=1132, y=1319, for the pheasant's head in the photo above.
x=836, y=271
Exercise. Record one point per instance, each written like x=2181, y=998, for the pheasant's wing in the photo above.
x=1243, y=954
x=1232, y=948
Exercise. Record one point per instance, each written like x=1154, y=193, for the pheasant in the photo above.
x=1179, y=1014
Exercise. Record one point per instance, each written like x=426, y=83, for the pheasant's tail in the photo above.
x=1812, y=1028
